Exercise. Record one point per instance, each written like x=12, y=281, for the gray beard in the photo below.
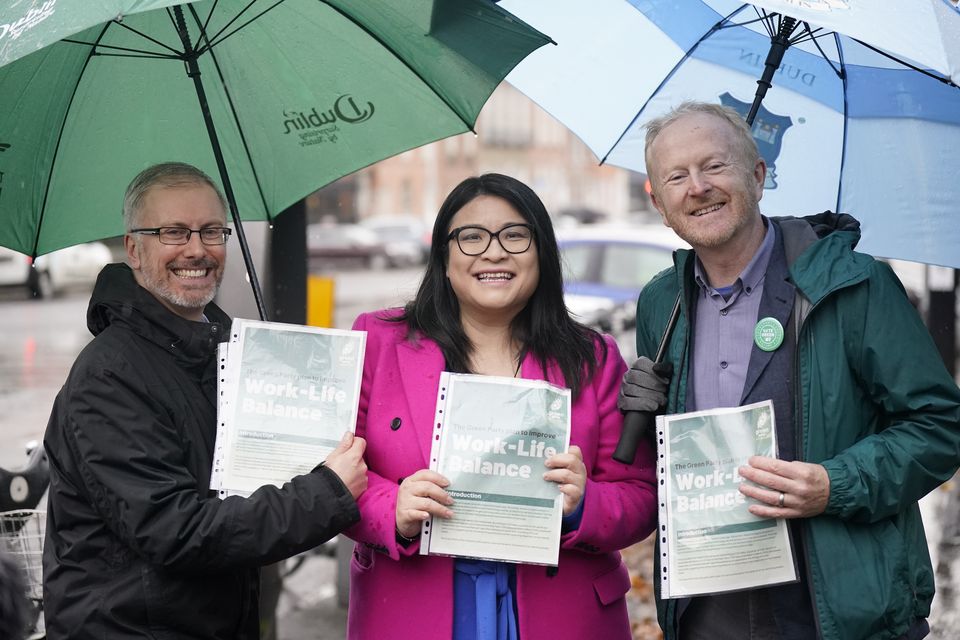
x=160, y=290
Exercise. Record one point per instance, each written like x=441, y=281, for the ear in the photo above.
x=659, y=207
x=133, y=253
x=760, y=176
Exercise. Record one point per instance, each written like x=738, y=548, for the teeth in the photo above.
x=190, y=273
x=705, y=210
x=502, y=275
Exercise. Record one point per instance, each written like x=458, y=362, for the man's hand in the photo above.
x=421, y=495
x=645, y=386
x=347, y=462
x=570, y=474
x=805, y=488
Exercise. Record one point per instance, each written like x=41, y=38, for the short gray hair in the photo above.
x=168, y=174
x=748, y=146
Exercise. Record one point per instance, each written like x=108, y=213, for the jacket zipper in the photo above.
x=798, y=422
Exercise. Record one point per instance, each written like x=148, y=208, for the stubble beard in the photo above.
x=748, y=207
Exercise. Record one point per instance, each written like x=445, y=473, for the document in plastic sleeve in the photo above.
x=491, y=438
x=709, y=541
x=286, y=395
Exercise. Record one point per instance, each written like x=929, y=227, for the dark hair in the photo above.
x=543, y=328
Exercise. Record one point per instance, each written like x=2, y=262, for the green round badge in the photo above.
x=768, y=334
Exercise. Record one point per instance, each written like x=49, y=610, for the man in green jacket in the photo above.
x=868, y=419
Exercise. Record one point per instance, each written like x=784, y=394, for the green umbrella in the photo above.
x=277, y=97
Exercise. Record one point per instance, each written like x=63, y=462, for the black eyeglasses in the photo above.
x=473, y=240
x=181, y=235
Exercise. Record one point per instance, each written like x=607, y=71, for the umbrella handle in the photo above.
x=636, y=424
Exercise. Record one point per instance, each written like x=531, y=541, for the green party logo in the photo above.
x=768, y=334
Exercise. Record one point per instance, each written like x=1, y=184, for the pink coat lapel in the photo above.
x=420, y=367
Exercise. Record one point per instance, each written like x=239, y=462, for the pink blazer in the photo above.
x=397, y=593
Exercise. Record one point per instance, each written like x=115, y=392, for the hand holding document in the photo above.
x=347, y=462
x=491, y=439
x=287, y=394
x=710, y=542
x=570, y=474
x=421, y=496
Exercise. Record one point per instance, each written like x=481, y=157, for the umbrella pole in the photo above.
x=779, y=43
x=193, y=71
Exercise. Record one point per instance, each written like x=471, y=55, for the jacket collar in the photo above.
x=776, y=301
x=118, y=300
x=818, y=250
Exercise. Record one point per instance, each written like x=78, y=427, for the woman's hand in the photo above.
x=568, y=471
x=421, y=495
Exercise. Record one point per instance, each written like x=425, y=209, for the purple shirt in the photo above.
x=723, y=331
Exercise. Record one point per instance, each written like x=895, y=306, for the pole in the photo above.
x=193, y=71
x=941, y=313
x=286, y=280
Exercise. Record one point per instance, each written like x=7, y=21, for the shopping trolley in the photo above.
x=22, y=528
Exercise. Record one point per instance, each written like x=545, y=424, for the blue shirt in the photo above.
x=484, y=605
x=723, y=331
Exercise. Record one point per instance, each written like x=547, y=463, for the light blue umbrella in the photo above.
x=868, y=125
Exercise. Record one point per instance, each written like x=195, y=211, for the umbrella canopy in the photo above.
x=868, y=125
x=277, y=97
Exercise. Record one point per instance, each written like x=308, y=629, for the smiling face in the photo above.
x=704, y=186
x=495, y=285
x=184, y=278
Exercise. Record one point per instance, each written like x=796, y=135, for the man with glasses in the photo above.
x=137, y=546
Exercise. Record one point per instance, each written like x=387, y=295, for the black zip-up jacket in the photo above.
x=137, y=546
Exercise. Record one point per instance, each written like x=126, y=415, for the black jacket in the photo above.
x=137, y=546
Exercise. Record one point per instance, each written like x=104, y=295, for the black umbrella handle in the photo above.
x=637, y=424
x=779, y=43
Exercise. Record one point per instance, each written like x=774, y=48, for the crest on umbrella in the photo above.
x=768, y=129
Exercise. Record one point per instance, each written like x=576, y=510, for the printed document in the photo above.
x=711, y=542
x=287, y=394
x=491, y=438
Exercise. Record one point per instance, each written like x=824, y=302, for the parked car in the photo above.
x=344, y=244
x=406, y=240
x=54, y=272
x=605, y=268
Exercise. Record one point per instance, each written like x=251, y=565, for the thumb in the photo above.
x=360, y=444
x=346, y=441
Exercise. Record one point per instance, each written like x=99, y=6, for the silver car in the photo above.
x=54, y=272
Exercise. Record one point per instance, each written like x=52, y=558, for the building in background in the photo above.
x=515, y=137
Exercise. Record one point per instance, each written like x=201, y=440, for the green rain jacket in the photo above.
x=873, y=404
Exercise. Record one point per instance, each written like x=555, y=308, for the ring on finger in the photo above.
x=780, y=500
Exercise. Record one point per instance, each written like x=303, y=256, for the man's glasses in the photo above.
x=181, y=235
x=473, y=241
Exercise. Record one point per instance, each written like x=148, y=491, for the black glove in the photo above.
x=645, y=386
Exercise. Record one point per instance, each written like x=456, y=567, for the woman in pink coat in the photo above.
x=491, y=302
